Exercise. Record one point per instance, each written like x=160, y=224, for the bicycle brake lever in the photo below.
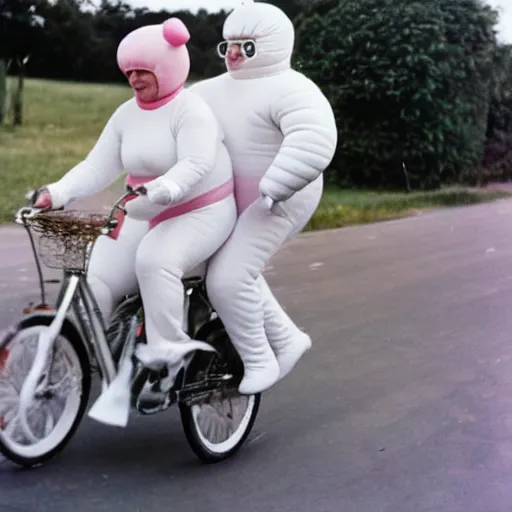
x=32, y=196
x=138, y=191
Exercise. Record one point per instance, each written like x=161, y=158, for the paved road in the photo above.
x=403, y=405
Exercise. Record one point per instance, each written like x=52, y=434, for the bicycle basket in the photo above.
x=64, y=237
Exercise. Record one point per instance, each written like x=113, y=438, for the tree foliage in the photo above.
x=292, y=8
x=20, y=27
x=410, y=82
x=68, y=39
x=416, y=85
x=497, y=161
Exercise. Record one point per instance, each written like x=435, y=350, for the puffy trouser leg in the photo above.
x=234, y=285
x=288, y=342
x=168, y=252
x=111, y=273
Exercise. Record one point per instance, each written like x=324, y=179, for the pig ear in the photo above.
x=175, y=32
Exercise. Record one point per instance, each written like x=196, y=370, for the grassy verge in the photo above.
x=344, y=208
x=62, y=123
x=63, y=120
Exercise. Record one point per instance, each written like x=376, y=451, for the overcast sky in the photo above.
x=505, y=26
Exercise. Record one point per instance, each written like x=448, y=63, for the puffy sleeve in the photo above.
x=99, y=169
x=198, y=138
x=307, y=123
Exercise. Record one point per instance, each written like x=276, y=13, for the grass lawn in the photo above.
x=341, y=208
x=63, y=121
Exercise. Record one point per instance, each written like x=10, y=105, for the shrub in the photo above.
x=497, y=161
x=409, y=82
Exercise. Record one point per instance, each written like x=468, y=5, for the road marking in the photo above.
x=257, y=438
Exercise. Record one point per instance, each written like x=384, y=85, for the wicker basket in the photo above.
x=65, y=237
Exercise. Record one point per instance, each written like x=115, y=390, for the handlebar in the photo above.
x=30, y=211
x=112, y=220
x=138, y=191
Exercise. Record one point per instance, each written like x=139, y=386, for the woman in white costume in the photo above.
x=281, y=135
x=167, y=139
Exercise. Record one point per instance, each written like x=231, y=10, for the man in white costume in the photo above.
x=167, y=139
x=281, y=135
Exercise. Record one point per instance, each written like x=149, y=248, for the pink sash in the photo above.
x=212, y=196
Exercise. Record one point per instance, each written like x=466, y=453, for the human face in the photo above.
x=144, y=84
x=236, y=52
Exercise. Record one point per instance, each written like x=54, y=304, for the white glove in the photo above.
x=163, y=191
x=278, y=192
x=141, y=208
x=268, y=202
x=273, y=206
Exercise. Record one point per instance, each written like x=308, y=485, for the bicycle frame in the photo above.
x=76, y=303
x=75, y=296
x=90, y=324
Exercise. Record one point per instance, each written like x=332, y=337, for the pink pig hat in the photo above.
x=160, y=49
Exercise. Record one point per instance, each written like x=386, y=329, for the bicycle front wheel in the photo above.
x=60, y=399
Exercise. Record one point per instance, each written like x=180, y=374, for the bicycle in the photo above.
x=48, y=358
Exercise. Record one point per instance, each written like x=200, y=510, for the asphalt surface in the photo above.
x=403, y=405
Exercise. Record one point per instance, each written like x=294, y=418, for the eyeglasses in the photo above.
x=247, y=47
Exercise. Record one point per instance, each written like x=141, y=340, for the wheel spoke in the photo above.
x=221, y=420
x=11, y=425
x=52, y=387
x=50, y=422
x=58, y=400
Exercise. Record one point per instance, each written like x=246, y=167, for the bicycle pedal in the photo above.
x=156, y=376
x=152, y=402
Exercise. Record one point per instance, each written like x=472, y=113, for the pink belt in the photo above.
x=212, y=196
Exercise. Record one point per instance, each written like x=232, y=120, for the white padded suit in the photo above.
x=180, y=141
x=281, y=135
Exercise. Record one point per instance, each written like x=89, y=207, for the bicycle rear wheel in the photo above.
x=59, y=405
x=217, y=429
x=216, y=419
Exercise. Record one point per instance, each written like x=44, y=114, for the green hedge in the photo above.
x=410, y=82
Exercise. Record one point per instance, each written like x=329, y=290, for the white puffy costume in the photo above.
x=174, y=146
x=281, y=134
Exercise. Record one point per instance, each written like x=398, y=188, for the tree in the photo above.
x=292, y=8
x=410, y=83
x=497, y=161
x=19, y=24
x=3, y=89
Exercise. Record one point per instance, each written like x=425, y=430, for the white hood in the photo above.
x=274, y=34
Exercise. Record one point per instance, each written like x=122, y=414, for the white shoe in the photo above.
x=289, y=354
x=170, y=354
x=259, y=375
